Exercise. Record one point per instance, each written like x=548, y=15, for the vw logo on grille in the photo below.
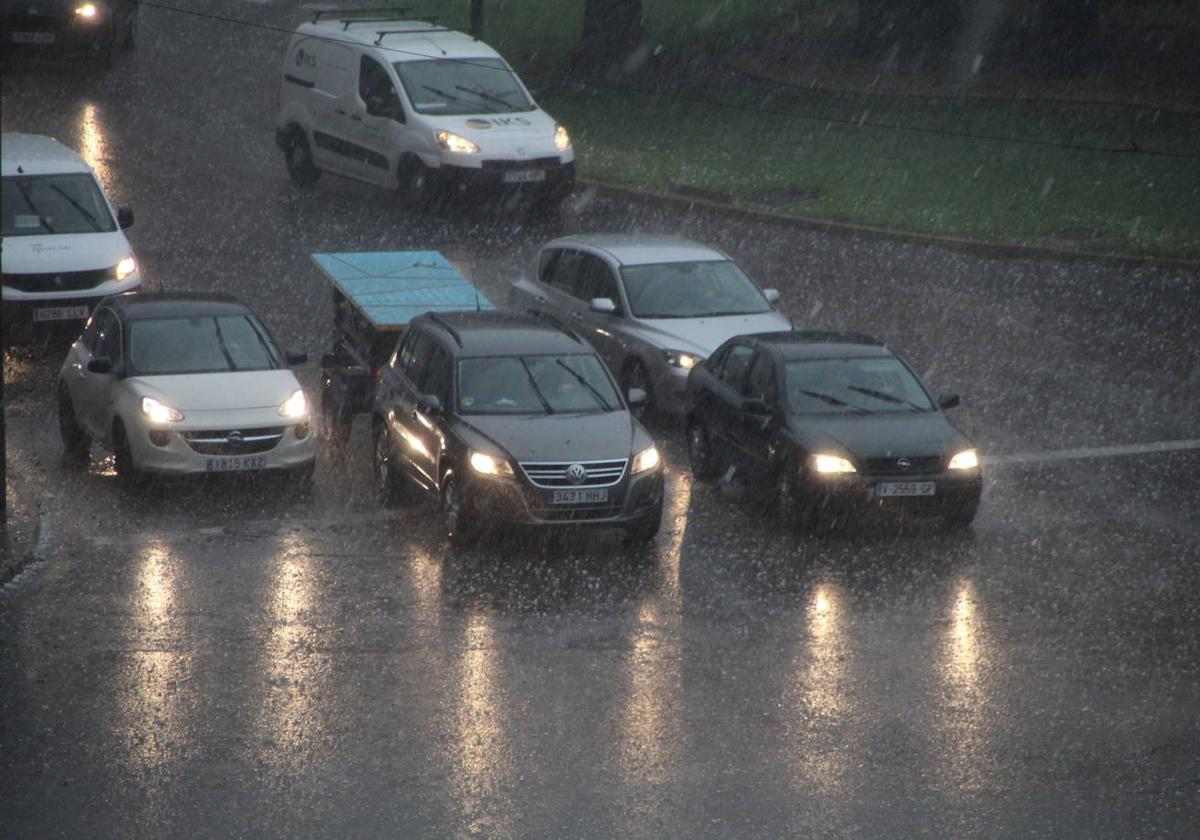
x=903, y=463
x=576, y=473
x=235, y=437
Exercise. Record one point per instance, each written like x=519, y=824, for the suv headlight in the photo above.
x=124, y=268
x=160, y=412
x=968, y=459
x=647, y=459
x=453, y=143
x=562, y=140
x=832, y=464
x=485, y=464
x=294, y=406
x=679, y=359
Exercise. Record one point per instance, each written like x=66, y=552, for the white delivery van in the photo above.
x=415, y=107
x=63, y=246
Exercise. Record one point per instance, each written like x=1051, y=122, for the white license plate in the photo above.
x=60, y=313
x=33, y=37
x=236, y=463
x=579, y=497
x=905, y=488
x=524, y=176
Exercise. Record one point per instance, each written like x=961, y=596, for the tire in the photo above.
x=646, y=529
x=821, y=518
x=336, y=419
x=416, y=183
x=461, y=531
x=788, y=500
x=635, y=375
x=76, y=442
x=299, y=160
x=389, y=482
x=128, y=472
x=700, y=453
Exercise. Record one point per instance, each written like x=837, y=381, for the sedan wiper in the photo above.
x=603, y=403
x=880, y=395
x=83, y=211
x=832, y=400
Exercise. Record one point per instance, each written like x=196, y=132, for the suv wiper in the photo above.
x=832, y=400
x=603, y=403
x=880, y=395
x=83, y=211
x=483, y=94
x=536, y=390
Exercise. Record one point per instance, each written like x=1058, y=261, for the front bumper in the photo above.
x=516, y=501
x=178, y=456
x=55, y=34
x=859, y=493
x=497, y=177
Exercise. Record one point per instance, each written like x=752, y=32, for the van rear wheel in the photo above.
x=300, y=166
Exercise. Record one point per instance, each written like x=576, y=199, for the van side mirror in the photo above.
x=948, y=401
x=124, y=218
x=100, y=364
x=295, y=358
x=603, y=306
x=429, y=405
x=772, y=295
x=636, y=396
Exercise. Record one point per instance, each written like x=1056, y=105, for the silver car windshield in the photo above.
x=200, y=345
x=37, y=205
x=691, y=290
x=576, y=383
x=462, y=86
x=853, y=386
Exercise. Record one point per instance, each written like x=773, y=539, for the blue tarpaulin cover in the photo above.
x=390, y=288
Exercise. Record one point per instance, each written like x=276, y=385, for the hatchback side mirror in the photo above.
x=604, y=306
x=100, y=364
x=429, y=405
x=124, y=218
x=948, y=401
x=295, y=358
x=636, y=396
x=772, y=295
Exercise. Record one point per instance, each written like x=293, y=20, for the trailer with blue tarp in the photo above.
x=375, y=295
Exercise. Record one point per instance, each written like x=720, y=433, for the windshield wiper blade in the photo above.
x=23, y=189
x=603, y=403
x=832, y=400
x=83, y=211
x=483, y=94
x=221, y=342
x=442, y=93
x=536, y=389
x=880, y=395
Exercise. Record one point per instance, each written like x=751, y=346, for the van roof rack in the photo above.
x=382, y=32
x=348, y=16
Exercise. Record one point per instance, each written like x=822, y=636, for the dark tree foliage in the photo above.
x=612, y=32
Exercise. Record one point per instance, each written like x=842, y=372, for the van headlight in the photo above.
x=294, y=406
x=647, y=459
x=485, y=464
x=828, y=464
x=453, y=143
x=968, y=459
x=124, y=268
x=160, y=412
x=562, y=140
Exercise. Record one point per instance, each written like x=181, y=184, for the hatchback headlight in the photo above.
x=485, y=464
x=124, y=268
x=832, y=464
x=968, y=459
x=562, y=140
x=645, y=460
x=676, y=358
x=294, y=406
x=453, y=143
x=160, y=412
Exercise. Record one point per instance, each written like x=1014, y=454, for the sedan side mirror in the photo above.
x=636, y=396
x=429, y=405
x=604, y=306
x=100, y=364
x=948, y=401
x=755, y=405
x=295, y=358
x=124, y=218
x=772, y=295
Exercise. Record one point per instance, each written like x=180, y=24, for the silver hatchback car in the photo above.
x=652, y=306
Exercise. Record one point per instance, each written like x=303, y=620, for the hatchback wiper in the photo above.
x=83, y=211
x=221, y=343
x=603, y=403
x=832, y=400
x=880, y=395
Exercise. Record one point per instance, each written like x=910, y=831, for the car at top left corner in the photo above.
x=93, y=29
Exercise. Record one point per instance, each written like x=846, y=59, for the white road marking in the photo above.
x=1090, y=452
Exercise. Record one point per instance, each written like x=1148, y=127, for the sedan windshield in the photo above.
x=53, y=204
x=462, y=86
x=691, y=290
x=576, y=383
x=200, y=345
x=854, y=386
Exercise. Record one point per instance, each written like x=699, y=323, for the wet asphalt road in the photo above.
x=221, y=659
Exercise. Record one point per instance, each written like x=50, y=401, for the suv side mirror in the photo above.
x=636, y=396
x=948, y=401
x=772, y=295
x=100, y=364
x=429, y=405
x=124, y=218
x=604, y=306
x=755, y=405
x=295, y=358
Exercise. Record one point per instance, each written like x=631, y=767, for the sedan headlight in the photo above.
x=160, y=412
x=562, y=140
x=124, y=268
x=87, y=11
x=485, y=464
x=294, y=406
x=832, y=464
x=968, y=459
x=453, y=143
x=679, y=359
x=645, y=460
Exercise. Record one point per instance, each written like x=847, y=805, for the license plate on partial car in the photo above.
x=524, y=176
x=60, y=313
x=33, y=37
x=235, y=463
x=905, y=488
x=579, y=497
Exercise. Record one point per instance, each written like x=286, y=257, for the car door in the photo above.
x=428, y=428
x=726, y=405
x=331, y=97
x=396, y=395
x=754, y=432
x=93, y=392
x=376, y=120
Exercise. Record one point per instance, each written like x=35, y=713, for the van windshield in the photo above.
x=32, y=205
x=462, y=86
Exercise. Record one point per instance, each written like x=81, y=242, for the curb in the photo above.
x=20, y=557
x=974, y=247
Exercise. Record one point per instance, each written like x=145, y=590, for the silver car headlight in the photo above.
x=159, y=412
x=679, y=359
x=645, y=460
x=294, y=406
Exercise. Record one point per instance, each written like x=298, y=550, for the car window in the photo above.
x=108, y=336
x=569, y=383
x=463, y=86
x=691, y=290
x=46, y=204
x=414, y=356
x=737, y=359
x=598, y=281
x=858, y=386
x=437, y=376
x=760, y=384
x=376, y=89
x=568, y=274
x=203, y=344
x=547, y=264
x=93, y=327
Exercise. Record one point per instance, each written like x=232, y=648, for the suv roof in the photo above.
x=642, y=248
x=500, y=333
x=134, y=306
x=818, y=344
x=403, y=40
x=36, y=154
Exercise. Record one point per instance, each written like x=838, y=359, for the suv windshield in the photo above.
x=200, y=345
x=32, y=205
x=855, y=386
x=462, y=86
x=576, y=383
x=691, y=290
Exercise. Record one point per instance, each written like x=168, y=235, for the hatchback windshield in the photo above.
x=856, y=386
x=691, y=290
x=535, y=385
x=462, y=86
x=53, y=204
x=200, y=345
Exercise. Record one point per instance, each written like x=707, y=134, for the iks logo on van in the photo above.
x=498, y=122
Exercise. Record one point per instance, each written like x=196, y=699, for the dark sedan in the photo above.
x=832, y=424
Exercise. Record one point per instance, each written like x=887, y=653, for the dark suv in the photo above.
x=511, y=418
x=89, y=27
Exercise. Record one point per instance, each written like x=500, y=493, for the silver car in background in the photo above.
x=652, y=306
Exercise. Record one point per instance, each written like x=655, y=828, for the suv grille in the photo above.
x=553, y=474
x=65, y=281
x=233, y=441
x=918, y=466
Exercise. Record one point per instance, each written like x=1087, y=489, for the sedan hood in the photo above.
x=881, y=435
x=701, y=336
x=227, y=391
x=51, y=254
x=558, y=437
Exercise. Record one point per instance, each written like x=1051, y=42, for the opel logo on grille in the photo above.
x=235, y=437
x=903, y=463
x=576, y=473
